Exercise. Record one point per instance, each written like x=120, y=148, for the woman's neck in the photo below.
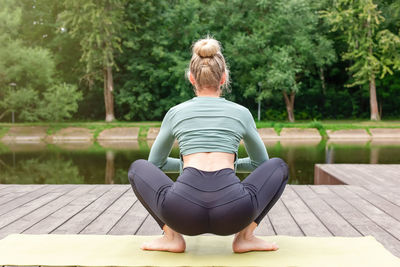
x=208, y=91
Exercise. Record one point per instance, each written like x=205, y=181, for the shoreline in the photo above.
x=149, y=131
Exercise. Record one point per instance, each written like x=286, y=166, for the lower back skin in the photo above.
x=209, y=161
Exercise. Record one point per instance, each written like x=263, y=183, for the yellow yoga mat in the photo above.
x=107, y=250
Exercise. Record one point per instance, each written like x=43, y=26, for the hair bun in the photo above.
x=206, y=47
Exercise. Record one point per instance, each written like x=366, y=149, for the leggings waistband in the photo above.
x=208, y=180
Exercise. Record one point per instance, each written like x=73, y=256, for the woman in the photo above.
x=208, y=197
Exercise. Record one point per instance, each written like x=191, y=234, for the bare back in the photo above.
x=209, y=161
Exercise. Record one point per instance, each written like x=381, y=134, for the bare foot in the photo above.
x=245, y=241
x=245, y=244
x=171, y=241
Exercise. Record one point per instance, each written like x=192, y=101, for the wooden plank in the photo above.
x=78, y=222
x=376, y=175
x=380, y=202
x=305, y=218
x=27, y=208
x=381, y=218
x=386, y=193
x=329, y=217
x=358, y=220
x=16, y=188
x=265, y=227
x=26, y=198
x=386, y=174
x=10, y=196
x=349, y=174
x=59, y=217
x=130, y=221
x=104, y=223
x=39, y=214
x=339, y=173
x=149, y=227
x=282, y=220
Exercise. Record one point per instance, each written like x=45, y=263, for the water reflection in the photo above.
x=107, y=163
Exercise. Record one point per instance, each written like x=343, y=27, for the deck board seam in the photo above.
x=365, y=215
x=291, y=215
x=105, y=208
x=23, y=194
x=36, y=208
x=140, y=226
x=366, y=199
x=316, y=215
x=382, y=196
x=333, y=208
x=121, y=217
x=80, y=210
x=47, y=186
x=66, y=204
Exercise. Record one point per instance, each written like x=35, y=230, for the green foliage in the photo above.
x=270, y=46
x=28, y=85
x=371, y=49
x=23, y=102
x=59, y=102
x=96, y=23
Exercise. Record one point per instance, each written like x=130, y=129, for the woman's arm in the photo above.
x=254, y=146
x=162, y=146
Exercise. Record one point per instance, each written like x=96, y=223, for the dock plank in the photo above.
x=358, y=220
x=149, y=227
x=305, y=218
x=131, y=221
x=37, y=215
x=374, y=177
x=78, y=222
x=329, y=217
x=15, y=189
x=54, y=220
x=265, y=227
x=26, y=198
x=104, y=223
x=381, y=218
x=27, y=208
x=282, y=220
x=380, y=202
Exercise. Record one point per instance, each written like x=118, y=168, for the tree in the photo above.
x=372, y=51
x=97, y=24
x=28, y=84
x=283, y=45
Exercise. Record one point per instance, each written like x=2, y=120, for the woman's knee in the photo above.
x=134, y=168
x=282, y=166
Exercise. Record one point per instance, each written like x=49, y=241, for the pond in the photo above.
x=96, y=164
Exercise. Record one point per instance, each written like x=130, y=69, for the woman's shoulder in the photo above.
x=222, y=104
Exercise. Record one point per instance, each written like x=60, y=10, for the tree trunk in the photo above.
x=372, y=99
x=322, y=77
x=108, y=94
x=289, y=101
x=372, y=87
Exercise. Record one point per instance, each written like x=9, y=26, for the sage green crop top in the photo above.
x=207, y=124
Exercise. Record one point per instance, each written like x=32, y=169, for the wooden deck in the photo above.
x=303, y=210
x=374, y=193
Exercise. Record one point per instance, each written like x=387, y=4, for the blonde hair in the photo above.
x=208, y=64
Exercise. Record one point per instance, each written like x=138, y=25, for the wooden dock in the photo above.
x=375, y=196
x=303, y=210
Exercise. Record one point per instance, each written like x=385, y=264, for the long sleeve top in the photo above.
x=208, y=124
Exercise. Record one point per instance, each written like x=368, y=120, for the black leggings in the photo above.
x=208, y=201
